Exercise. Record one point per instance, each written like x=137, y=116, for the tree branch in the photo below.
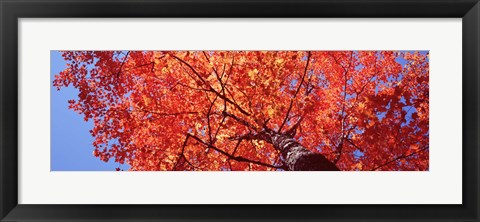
x=295, y=95
x=403, y=156
x=167, y=114
x=239, y=120
x=210, y=88
x=304, y=74
x=182, y=156
x=123, y=62
x=237, y=158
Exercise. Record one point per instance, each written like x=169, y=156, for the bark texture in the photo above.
x=298, y=158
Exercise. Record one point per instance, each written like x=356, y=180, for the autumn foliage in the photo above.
x=254, y=110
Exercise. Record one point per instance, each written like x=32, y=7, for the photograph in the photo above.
x=216, y=110
x=255, y=111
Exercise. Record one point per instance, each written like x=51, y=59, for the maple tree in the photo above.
x=254, y=110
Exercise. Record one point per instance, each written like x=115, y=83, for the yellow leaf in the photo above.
x=270, y=111
x=359, y=166
x=252, y=73
x=146, y=100
x=278, y=61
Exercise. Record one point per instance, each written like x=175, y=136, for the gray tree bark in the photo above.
x=298, y=158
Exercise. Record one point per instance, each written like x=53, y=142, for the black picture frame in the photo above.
x=11, y=11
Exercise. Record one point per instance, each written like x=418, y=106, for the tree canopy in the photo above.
x=254, y=110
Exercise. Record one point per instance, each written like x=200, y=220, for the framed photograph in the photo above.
x=224, y=110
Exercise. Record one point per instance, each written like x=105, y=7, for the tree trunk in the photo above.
x=298, y=158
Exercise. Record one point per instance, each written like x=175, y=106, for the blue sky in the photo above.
x=71, y=142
